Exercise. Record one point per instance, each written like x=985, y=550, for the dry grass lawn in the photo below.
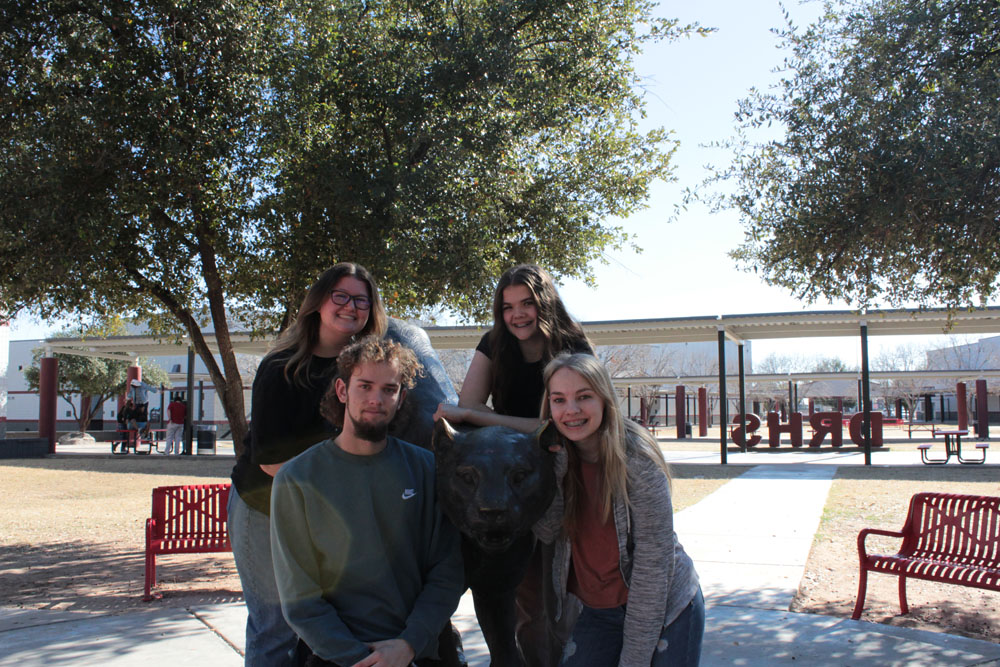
x=72, y=530
x=72, y=533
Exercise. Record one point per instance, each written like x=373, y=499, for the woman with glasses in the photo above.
x=342, y=305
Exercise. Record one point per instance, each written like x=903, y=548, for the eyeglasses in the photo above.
x=361, y=302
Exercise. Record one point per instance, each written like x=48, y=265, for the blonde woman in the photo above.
x=612, y=524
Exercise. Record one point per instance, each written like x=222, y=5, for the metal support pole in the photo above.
x=866, y=419
x=702, y=411
x=162, y=399
x=189, y=414
x=743, y=396
x=723, y=421
x=680, y=404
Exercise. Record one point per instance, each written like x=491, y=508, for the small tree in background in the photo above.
x=98, y=379
x=906, y=389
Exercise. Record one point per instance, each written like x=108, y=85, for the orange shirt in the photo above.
x=594, y=574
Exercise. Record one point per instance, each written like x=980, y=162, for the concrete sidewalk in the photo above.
x=750, y=562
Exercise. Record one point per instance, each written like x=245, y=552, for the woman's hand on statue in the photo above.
x=453, y=413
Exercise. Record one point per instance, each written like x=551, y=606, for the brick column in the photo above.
x=982, y=411
x=47, y=383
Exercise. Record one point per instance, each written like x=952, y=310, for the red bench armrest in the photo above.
x=865, y=532
x=150, y=531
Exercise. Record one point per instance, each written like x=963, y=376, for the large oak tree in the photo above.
x=879, y=179
x=199, y=162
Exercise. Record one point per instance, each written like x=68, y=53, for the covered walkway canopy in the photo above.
x=736, y=328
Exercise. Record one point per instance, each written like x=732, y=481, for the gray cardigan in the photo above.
x=660, y=576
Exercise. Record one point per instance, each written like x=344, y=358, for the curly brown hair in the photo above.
x=369, y=350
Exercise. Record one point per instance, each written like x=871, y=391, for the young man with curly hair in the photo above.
x=368, y=569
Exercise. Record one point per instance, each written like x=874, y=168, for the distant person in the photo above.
x=285, y=420
x=124, y=424
x=176, y=412
x=616, y=549
x=368, y=568
x=139, y=393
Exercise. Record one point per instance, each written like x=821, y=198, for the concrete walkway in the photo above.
x=750, y=562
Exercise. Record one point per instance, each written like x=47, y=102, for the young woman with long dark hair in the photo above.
x=530, y=327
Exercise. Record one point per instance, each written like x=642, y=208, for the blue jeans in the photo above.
x=597, y=638
x=270, y=640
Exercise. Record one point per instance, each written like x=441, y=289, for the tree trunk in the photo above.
x=228, y=386
x=83, y=421
x=230, y=389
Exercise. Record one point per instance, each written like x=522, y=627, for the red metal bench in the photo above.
x=947, y=537
x=186, y=519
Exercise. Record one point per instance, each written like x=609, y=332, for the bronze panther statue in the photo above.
x=494, y=483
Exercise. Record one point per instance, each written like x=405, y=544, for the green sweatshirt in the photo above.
x=362, y=552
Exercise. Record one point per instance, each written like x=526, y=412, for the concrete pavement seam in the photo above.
x=215, y=631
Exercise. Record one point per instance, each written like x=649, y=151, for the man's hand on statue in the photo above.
x=388, y=653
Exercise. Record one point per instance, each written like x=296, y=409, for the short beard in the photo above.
x=369, y=432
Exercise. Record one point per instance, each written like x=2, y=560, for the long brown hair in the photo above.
x=561, y=332
x=303, y=334
x=617, y=437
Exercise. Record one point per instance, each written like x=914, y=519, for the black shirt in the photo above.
x=284, y=422
x=526, y=378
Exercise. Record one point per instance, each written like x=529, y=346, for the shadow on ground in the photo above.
x=942, y=616
x=706, y=470
x=84, y=576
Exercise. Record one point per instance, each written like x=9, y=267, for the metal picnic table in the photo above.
x=952, y=447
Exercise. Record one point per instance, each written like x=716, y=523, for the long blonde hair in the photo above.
x=616, y=436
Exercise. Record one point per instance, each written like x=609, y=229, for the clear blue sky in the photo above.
x=684, y=269
x=692, y=88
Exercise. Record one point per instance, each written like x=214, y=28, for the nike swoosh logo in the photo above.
x=408, y=493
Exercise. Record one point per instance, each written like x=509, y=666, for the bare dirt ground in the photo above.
x=879, y=497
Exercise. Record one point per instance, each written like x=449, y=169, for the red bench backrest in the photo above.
x=960, y=527
x=191, y=512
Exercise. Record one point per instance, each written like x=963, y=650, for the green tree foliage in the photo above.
x=203, y=160
x=84, y=376
x=884, y=182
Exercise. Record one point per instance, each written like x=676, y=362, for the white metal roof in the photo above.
x=619, y=332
